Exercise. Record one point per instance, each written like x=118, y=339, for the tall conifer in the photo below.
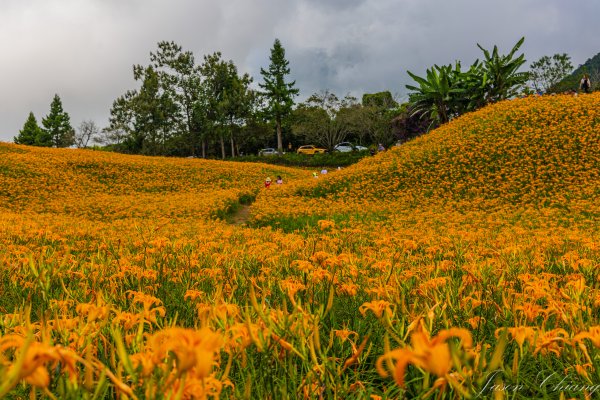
x=58, y=125
x=279, y=93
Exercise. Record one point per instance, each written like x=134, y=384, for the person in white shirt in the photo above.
x=585, y=84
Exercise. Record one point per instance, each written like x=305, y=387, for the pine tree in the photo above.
x=58, y=126
x=279, y=93
x=31, y=132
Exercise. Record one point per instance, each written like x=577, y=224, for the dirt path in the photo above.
x=241, y=216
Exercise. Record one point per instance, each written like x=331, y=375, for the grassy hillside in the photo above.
x=532, y=152
x=461, y=264
x=102, y=185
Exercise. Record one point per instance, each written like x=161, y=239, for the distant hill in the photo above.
x=98, y=185
x=591, y=67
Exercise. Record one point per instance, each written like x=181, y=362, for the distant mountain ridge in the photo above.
x=591, y=67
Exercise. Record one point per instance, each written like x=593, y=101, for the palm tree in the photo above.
x=437, y=93
x=447, y=92
x=504, y=80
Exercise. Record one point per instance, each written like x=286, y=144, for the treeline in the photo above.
x=209, y=109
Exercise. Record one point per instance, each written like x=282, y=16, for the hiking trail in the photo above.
x=241, y=216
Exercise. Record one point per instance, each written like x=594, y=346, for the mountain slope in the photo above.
x=571, y=82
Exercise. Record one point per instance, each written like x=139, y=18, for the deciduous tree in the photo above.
x=324, y=119
x=88, y=130
x=218, y=79
x=181, y=77
x=548, y=71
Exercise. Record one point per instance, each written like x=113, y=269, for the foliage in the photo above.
x=380, y=100
x=435, y=93
x=155, y=114
x=373, y=121
x=326, y=120
x=504, y=81
x=229, y=101
x=153, y=119
x=209, y=110
x=181, y=108
x=181, y=78
x=447, y=92
x=278, y=93
x=323, y=119
x=409, y=124
x=57, y=125
x=548, y=71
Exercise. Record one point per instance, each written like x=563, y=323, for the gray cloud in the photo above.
x=335, y=5
x=84, y=49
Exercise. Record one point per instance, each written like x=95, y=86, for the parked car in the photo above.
x=268, y=152
x=310, y=149
x=346, y=147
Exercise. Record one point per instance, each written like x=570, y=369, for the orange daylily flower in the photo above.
x=520, y=334
x=593, y=334
x=378, y=307
x=193, y=350
x=430, y=354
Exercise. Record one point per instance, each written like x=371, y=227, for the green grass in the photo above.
x=307, y=224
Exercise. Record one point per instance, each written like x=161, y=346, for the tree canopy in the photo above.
x=546, y=72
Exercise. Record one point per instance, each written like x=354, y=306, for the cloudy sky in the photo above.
x=84, y=49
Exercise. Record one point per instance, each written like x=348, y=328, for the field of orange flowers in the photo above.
x=462, y=264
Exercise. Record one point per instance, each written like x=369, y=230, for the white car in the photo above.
x=268, y=152
x=347, y=147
